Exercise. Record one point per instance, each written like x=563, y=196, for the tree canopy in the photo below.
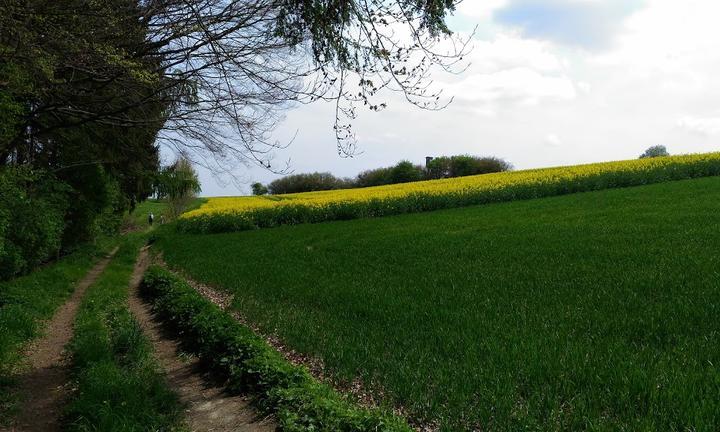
x=211, y=77
x=178, y=184
x=655, y=151
x=90, y=90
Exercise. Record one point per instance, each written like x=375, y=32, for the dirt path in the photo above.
x=209, y=408
x=44, y=386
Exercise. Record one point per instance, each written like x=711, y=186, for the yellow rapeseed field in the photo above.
x=635, y=170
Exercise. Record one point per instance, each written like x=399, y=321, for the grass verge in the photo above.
x=233, y=351
x=592, y=311
x=26, y=302
x=119, y=385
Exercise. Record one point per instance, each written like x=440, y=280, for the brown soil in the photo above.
x=43, y=388
x=208, y=407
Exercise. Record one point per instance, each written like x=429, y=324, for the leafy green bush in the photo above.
x=405, y=172
x=374, y=177
x=32, y=212
x=233, y=351
x=119, y=385
x=464, y=165
x=259, y=189
x=307, y=183
x=97, y=205
x=43, y=215
x=655, y=151
x=402, y=172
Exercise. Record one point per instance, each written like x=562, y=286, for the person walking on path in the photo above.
x=151, y=218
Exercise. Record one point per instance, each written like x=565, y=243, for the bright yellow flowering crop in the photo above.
x=452, y=192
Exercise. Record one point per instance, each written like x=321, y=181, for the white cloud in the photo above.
x=509, y=51
x=667, y=37
x=482, y=9
x=553, y=140
x=509, y=71
x=584, y=87
x=700, y=125
x=520, y=85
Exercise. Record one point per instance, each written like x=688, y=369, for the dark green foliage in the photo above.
x=655, y=151
x=95, y=205
x=327, y=21
x=373, y=177
x=259, y=189
x=44, y=215
x=178, y=185
x=307, y=183
x=81, y=106
x=464, y=165
x=405, y=172
x=593, y=311
x=402, y=172
x=235, y=353
x=12, y=110
x=32, y=212
x=119, y=385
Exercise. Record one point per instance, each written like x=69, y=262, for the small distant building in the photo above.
x=428, y=159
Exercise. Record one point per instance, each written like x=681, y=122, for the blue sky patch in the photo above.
x=589, y=24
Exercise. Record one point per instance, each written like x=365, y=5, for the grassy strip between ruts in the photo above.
x=27, y=301
x=119, y=385
x=245, y=213
x=232, y=350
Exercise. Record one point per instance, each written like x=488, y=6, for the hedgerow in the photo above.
x=243, y=213
x=250, y=365
x=120, y=387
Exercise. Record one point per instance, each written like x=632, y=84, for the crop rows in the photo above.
x=250, y=365
x=594, y=311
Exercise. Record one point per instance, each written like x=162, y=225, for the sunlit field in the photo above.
x=241, y=213
x=591, y=311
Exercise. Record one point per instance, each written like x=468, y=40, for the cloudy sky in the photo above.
x=551, y=82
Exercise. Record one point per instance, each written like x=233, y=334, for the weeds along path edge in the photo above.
x=208, y=406
x=42, y=387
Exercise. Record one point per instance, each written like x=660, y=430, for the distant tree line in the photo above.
x=402, y=172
